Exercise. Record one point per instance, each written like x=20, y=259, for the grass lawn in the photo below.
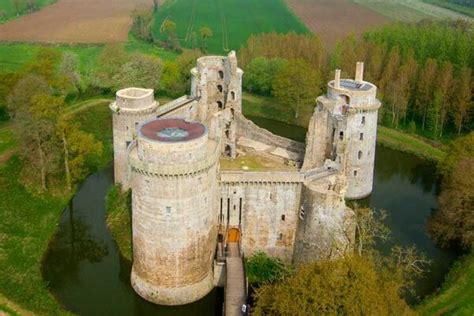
x=15, y=55
x=8, y=10
x=408, y=143
x=231, y=21
x=457, y=292
x=448, y=4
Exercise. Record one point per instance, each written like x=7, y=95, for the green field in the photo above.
x=231, y=21
x=8, y=10
x=457, y=293
x=453, y=6
x=13, y=56
x=411, y=10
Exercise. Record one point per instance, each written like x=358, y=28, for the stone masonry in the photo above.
x=185, y=208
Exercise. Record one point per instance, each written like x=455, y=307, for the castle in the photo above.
x=186, y=205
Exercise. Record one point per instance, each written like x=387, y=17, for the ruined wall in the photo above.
x=174, y=221
x=325, y=226
x=249, y=129
x=266, y=213
x=131, y=107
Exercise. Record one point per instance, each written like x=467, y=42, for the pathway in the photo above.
x=235, y=281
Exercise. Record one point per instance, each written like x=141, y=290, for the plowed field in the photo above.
x=335, y=19
x=74, y=21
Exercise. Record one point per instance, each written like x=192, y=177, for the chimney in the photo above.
x=337, y=79
x=359, y=72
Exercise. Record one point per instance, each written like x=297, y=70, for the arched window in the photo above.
x=219, y=87
x=361, y=136
x=359, y=154
x=220, y=105
x=232, y=95
x=221, y=74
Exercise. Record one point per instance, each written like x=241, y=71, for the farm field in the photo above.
x=410, y=10
x=464, y=9
x=334, y=19
x=8, y=10
x=74, y=21
x=231, y=21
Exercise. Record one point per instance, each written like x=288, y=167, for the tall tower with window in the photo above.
x=343, y=131
x=131, y=107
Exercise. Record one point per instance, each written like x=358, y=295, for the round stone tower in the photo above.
x=360, y=106
x=174, y=169
x=131, y=107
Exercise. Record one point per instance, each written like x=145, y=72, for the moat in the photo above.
x=87, y=275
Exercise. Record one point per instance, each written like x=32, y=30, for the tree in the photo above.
x=168, y=27
x=19, y=100
x=296, y=85
x=351, y=285
x=78, y=149
x=45, y=64
x=425, y=89
x=110, y=61
x=142, y=20
x=260, y=268
x=453, y=223
x=260, y=74
x=445, y=80
x=140, y=71
x=17, y=4
x=68, y=69
x=176, y=76
x=205, y=32
x=462, y=98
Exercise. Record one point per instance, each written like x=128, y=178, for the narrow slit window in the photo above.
x=219, y=87
x=355, y=173
x=221, y=74
x=280, y=237
x=283, y=217
x=168, y=210
x=359, y=154
x=361, y=136
x=232, y=94
x=363, y=119
x=341, y=135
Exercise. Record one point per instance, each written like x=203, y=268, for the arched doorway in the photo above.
x=233, y=235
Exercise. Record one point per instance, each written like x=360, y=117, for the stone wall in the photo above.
x=248, y=129
x=265, y=212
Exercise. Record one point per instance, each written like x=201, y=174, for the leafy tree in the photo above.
x=352, y=285
x=78, y=149
x=445, y=81
x=453, y=223
x=296, y=85
x=205, y=32
x=68, y=69
x=425, y=89
x=140, y=71
x=168, y=27
x=110, y=61
x=142, y=18
x=176, y=76
x=462, y=98
x=45, y=64
x=19, y=100
x=261, y=268
x=260, y=74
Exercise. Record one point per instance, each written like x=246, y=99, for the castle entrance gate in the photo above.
x=233, y=235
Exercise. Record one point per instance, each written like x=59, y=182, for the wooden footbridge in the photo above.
x=235, y=286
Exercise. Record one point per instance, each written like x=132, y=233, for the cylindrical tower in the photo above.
x=131, y=107
x=360, y=108
x=174, y=168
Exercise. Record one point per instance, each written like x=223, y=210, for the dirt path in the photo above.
x=335, y=19
x=74, y=21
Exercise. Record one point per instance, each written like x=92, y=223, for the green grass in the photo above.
x=457, y=293
x=409, y=10
x=463, y=9
x=15, y=55
x=28, y=223
x=231, y=21
x=8, y=10
x=412, y=144
x=7, y=138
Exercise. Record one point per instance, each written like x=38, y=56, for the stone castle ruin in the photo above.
x=187, y=208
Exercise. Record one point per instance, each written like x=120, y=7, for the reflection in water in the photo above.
x=87, y=275
x=85, y=271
